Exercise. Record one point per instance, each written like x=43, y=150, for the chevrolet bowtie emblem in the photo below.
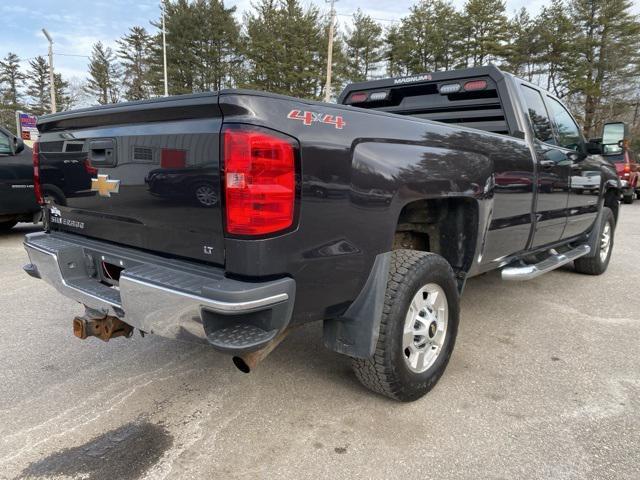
x=104, y=186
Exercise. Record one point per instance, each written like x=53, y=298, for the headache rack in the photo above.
x=442, y=97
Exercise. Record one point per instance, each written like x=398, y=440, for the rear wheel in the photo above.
x=628, y=197
x=6, y=226
x=598, y=263
x=418, y=328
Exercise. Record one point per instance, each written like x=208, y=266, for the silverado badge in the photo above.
x=104, y=186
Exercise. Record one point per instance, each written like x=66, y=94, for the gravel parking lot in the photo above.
x=544, y=383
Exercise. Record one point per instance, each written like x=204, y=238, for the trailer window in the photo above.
x=537, y=114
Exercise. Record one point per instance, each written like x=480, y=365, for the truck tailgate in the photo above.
x=143, y=174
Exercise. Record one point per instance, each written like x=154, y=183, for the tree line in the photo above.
x=584, y=51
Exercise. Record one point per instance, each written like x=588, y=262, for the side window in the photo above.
x=538, y=114
x=568, y=132
x=5, y=145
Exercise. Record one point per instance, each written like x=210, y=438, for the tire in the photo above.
x=8, y=225
x=389, y=372
x=579, y=191
x=598, y=264
x=628, y=198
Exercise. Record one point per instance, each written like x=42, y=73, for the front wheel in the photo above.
x=598, y=263
x=418, y=327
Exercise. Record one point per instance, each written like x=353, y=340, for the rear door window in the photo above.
x=568, y=132
x=538, y=115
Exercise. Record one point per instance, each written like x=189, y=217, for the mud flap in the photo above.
x=356, y=332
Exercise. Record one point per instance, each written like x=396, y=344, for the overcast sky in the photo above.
x=76, y=24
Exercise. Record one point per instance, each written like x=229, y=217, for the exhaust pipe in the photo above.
x=249, y=361
x=104, y=328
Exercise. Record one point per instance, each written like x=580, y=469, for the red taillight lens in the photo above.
x=259, y=182
x=358, y=97
x=475, y=85
x=90, y=169
x=627, y=168
x=37, y=188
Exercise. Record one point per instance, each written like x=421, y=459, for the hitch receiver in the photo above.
x=104, y=328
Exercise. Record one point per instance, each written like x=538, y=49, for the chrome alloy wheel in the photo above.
x=206, y=195
x=425, y=328
x=605, y=242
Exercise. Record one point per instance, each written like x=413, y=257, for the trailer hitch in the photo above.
x=104, y=328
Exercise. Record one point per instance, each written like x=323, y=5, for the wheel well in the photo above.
x=612, y=200
x=446, y=226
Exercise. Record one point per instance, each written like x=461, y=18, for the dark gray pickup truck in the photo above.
x=230, y=217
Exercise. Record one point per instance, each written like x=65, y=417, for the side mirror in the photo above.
x=594, y=148
x=19, y=145
x=613, y=136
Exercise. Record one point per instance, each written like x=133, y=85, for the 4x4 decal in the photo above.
x=308, y=118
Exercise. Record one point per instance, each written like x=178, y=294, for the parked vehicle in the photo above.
x=625, y=160
x=369, y=216
x=17, y=199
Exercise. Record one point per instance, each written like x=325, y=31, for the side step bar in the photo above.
x=555, y=260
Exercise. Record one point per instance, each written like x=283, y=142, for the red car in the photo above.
x=626, y=163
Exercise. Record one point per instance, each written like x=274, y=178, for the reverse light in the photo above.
x=376, y=96
x=358, y=97
x=475, y=85
x=259, y=181
x=449, y=88
x=37, y=188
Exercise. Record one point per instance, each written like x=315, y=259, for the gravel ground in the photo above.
x=544, y=383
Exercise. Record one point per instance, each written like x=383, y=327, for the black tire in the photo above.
x=6, y=226
x=579, y=191
x=596, y=265
x=628, y=198
x=387, y=372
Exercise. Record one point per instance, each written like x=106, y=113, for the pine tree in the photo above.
x=285, y=48
x=38, y=86
x=135, y=53
x=607, y=49
x=12, y=79
x=61, y=89
x=363, y=45
x=523, y=52
x=486, y=30
x=104, y=73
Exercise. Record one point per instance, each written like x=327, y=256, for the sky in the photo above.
x=76, y=25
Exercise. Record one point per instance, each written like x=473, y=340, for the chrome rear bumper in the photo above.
x=166, y=297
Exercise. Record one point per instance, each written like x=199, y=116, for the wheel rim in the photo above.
x=206, y=195
x=605, y=242
x=425, y=328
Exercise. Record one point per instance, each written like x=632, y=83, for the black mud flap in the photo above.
x=356, y=332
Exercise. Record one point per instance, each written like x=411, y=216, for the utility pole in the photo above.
x=164, y=54
x=327, y=88
x=52, y=87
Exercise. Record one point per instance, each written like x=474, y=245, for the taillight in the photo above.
x=37, y=188
x=627, y=168
x=358, y=97
x=475, y=85
x=259, y=181
x=90, y=169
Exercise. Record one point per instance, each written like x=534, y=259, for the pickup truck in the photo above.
x=17, y=199
x=369, y=215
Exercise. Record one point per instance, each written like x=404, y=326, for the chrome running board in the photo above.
x=555, y=260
